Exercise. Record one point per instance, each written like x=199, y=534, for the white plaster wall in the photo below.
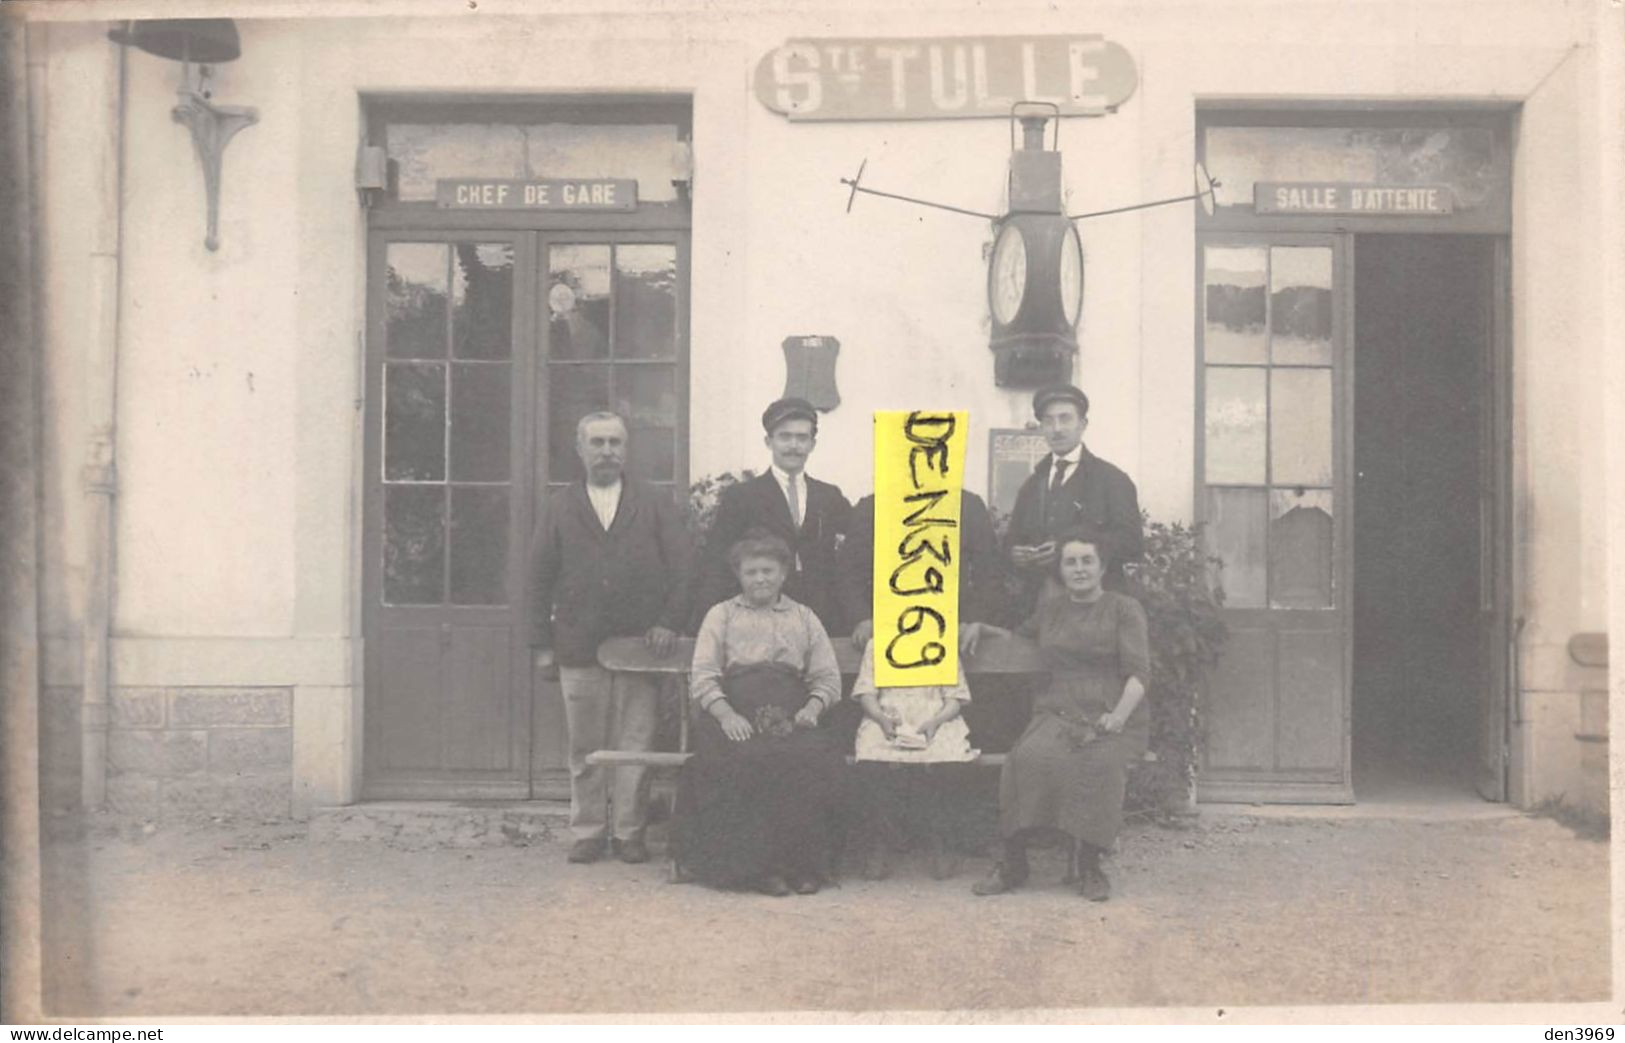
x=206, y=397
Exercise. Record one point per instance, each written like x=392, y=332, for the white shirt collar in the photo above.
x=1071, y=458
x=784, y=478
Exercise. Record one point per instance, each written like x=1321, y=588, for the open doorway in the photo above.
x=1423, y=320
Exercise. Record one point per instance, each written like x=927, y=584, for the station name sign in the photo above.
x=950, y=77
x=1340, y=198
x=592, y=193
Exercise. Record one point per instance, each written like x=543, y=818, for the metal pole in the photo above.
x=910, y=199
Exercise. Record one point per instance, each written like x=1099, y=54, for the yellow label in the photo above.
x=919, y=471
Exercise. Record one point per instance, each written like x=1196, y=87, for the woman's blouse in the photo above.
x=1073, y=635
x=736, y=633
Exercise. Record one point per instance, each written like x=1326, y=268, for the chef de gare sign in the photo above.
x=952, y=77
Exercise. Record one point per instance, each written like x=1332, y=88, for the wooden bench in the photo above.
x=994, y=655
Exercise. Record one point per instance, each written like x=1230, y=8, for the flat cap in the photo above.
x=788, y=409
x=1059, y=393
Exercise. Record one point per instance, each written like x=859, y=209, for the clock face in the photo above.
x=1071, y=275
x=1007, y=278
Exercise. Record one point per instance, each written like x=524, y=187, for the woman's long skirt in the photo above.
x=1062, y=775
x=764, y=805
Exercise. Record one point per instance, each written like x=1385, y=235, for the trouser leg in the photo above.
x=637, y=714
x=587, y=705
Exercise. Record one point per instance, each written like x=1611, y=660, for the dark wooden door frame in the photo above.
x=1496, y=537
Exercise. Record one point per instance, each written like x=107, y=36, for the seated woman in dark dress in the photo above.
x=756, y=800
x=1068, y=770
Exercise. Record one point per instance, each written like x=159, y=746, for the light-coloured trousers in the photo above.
x=607, y=711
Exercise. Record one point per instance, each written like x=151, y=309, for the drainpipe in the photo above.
x=101, y=406
x=21, y=117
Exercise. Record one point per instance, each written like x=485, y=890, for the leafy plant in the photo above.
x=1176, y=581
x=703, y=497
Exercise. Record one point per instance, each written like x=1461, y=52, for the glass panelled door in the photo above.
x=1272, y=490
x=447, y=666
x=485, y=350
x=612, y=325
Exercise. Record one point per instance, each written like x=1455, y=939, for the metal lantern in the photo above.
x=1035, y=273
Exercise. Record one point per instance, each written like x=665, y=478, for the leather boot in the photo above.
x=1008, y=873
x=1092, y=882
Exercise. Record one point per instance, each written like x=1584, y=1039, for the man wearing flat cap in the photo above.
x=1071, y=487
x=809, y=515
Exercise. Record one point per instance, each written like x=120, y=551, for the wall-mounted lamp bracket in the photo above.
x=212, y=127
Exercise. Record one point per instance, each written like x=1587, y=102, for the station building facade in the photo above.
x=288, y=481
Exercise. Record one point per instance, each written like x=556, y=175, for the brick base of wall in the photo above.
x=177, y=753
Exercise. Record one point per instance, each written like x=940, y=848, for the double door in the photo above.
x=484, y=348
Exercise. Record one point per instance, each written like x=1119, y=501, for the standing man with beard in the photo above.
x=611, y=560
x=1071, y=487
x=809, y=515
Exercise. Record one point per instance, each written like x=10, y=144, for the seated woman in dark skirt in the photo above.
x=1068, y=770
x=755, y=801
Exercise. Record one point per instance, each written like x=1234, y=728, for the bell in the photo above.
x=207, y=41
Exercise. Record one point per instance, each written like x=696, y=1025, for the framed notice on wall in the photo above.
x=1012, y=453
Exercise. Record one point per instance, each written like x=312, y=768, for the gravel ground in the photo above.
x=1232, y=911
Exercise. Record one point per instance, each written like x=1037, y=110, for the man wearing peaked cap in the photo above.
x=1070, y=487
x=1060, y=393
x=789, y=409
x=809, y=515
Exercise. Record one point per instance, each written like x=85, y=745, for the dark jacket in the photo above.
x=760, y=503
x=1095, y=494
x=980, y=588
x=588, y=584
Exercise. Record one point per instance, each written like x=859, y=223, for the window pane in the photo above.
x=480, y=394
x=1301, y=426
x=578, y=301
x=414, y=422
x=646, y=301
x=479, y=545
x=424, y=152
x=482, y=300
x=1301, y=536
x=1301, y=305
x=1233, y=329
x=1235, y=426
x=415, y=300
x=1463, y=157
x=1235, y=535
x=573, y=392
x=641, y=151
x=414, y=544
x=647, y=395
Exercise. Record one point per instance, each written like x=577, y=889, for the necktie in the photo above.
x=1059, y=476
x=795, y=501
